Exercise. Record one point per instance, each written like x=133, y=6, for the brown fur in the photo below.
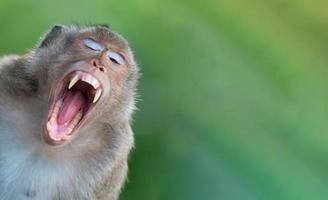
x=93, y=164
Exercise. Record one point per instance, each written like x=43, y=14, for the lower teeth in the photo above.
x=52, y=124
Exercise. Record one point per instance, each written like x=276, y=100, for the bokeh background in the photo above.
x=233, y=98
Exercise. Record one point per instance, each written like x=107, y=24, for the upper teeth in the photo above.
x=73, y=81
x=91, y=80
x=97, y=95
x=88, y=79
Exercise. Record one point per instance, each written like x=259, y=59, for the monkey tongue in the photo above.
x=73, y=102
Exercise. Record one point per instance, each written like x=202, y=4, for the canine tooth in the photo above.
x=73, y=81
x=97, y=96
x=49, y=127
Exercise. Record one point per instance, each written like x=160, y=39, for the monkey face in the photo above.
x=91, y=74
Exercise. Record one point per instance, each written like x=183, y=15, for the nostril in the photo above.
x=94, y=63
x=101, y=69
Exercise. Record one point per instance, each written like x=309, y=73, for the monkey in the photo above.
x=66, y=111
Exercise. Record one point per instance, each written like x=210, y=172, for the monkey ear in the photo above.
x=55, y=31
x=105, y=26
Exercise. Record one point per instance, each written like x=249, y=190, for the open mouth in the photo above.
x=70, y=104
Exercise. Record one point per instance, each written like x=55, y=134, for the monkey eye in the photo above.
x=116, y=57
x=90, y=43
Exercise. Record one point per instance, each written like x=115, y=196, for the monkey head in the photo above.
x=87, y=78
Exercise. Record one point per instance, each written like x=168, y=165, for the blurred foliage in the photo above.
x=233, y=99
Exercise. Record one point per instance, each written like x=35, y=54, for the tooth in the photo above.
x=52, y=121
x=69, y=130
x=97, y=96
x=56, y=139
x=71, y=127
x=86, y=78
x=78, y=116
x=57, y=106
x=66, y=137
x=94, y=83
x=75, y=121
x=49, y=127
x=73, y=81
x=91, y=80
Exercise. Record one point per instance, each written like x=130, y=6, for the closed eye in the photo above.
x=116, y=57
x=91, y=44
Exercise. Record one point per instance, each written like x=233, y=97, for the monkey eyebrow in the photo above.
x=92, y=44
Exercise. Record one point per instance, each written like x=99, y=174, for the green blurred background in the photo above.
x=233, y=98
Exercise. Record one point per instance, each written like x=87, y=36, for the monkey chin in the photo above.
x=70, y=104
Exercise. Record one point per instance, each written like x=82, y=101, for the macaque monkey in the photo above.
x=65, y=116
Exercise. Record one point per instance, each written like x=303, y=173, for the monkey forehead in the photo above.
x=102, y=34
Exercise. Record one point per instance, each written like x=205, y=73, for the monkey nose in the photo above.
x=96, y=63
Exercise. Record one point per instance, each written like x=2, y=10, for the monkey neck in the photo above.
x=69, y=169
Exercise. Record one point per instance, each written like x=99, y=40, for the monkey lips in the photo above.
x=70, y=103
